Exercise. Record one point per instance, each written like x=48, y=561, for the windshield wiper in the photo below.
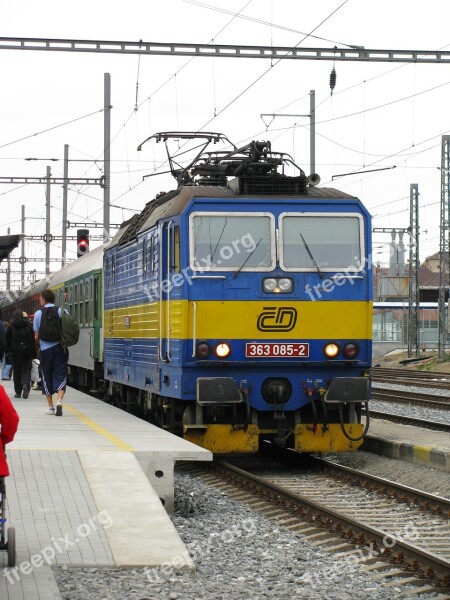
x=246, y=260
x=312, y=257
x=219, y=240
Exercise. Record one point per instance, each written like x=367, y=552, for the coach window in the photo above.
x=321, y=242
x=113, y=269
x=232, y=241
x=71, y=300
x=80, y=292
x=87, y=300
x=75, y=301
x=96, y=296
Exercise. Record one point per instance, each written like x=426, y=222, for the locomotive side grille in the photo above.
x=279, y=184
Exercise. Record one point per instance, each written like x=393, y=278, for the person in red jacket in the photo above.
x=9, y=421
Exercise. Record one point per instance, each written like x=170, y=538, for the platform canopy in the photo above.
x=8, y=243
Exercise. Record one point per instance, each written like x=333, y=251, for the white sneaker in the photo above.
x=50, y=411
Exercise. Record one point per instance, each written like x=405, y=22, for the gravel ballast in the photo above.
x=239, y=554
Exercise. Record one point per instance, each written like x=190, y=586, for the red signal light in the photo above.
x=82, y=242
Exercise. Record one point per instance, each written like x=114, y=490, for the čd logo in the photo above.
x=282, y=318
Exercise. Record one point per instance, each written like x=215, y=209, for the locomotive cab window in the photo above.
x=232, y=241
x=325, y=242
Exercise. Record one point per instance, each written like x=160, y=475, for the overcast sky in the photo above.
x=380, y=115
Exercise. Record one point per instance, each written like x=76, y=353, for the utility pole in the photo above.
x=47, y=224
x=22, y=248
x=312, y=131
x=414, y=296
x=64, y=212
x=8, y=272
x=107, y=156
x=444, y=245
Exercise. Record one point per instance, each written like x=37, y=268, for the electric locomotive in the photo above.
x=238, y=306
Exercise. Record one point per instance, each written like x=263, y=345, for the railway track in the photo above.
x=337, y=507
x=408, y=397
x=381, y=373
x=405, y=420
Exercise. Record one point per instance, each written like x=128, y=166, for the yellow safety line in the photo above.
x=99, y=429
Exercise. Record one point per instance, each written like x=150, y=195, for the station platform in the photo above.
x=90, y=488
x=417, y=445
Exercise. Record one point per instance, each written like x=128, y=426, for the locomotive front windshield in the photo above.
x=329, y=243
x=221, y=241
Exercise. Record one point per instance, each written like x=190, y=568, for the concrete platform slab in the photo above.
x=91, y=424
x=139, y=531
x=60, y=520
x=412, y=444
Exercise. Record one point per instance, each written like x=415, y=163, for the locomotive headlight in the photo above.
x=222, y=350
x=285, y=284
x=331, y=350
x=271, y=285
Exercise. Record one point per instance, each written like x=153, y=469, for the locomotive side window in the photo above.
x=232, y=241
x=175, y=250
x=144, y=257
x=152, y=254
x=328, y=242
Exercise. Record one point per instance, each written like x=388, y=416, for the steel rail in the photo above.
x=413, y=557
x=415, y=422
x=398, y=489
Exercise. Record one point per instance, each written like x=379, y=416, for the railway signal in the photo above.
x=82, y=242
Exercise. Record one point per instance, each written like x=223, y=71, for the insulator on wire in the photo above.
x=332, y=80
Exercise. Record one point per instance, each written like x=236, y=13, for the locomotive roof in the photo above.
x=172, y=203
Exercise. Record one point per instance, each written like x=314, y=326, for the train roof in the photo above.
x=91, y=261
x=173, y=203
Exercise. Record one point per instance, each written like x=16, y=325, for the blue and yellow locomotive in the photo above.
x=238, y=306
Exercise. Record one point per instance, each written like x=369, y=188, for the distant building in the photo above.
x=392, y=288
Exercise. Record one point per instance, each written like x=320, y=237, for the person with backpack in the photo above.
x=54, y=357
x=20, y=344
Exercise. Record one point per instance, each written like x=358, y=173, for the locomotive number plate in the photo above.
x=276, y=350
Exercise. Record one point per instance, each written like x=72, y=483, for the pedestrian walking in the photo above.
x=20, y=344
x=53, y=357
x=7, y=366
